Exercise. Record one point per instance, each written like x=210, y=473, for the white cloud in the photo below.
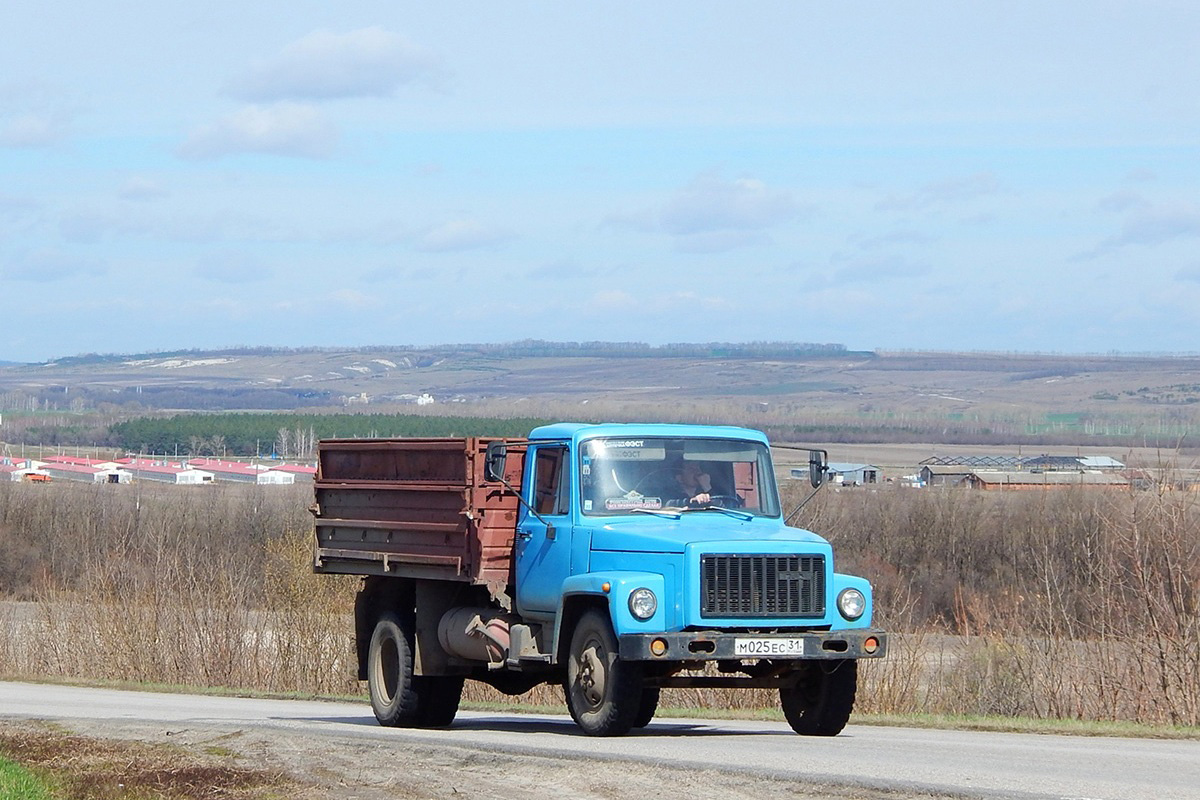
x=461, y=234
x=892, y=239
x=610, y=299
x=285, y=129
x=865, y=270
x=561, y=270
x=719, y=241
x=949, y=192
x=714, y=215
x=354, y=300
x=370, y=62
x=141, y=188
x=232, y=268
x=1191, y=273
x=30, y=130
x=48, y=267
x=1122, y=200
x=1154, y=227
x=712, y=204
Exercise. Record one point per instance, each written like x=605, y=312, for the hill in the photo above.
x=845, y=395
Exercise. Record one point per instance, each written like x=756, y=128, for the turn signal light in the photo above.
x=870, y=644
x=606, y=587
x=658, y=647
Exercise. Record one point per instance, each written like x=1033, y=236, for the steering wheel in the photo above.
x=722, y=500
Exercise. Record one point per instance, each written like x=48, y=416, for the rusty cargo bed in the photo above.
x=417, y=508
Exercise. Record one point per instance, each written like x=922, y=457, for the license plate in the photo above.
x=768, y=647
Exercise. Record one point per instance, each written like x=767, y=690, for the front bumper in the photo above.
x=720, y=645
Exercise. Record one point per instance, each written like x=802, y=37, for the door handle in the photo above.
x=524, y=535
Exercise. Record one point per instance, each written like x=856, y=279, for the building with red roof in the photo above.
x=241, y=472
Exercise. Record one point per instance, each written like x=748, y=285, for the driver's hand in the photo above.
x=702, y=498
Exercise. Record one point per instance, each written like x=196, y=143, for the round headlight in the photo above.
x=642, y=603
x=851, y=603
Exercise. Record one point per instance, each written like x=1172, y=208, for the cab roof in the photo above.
x=578, y=431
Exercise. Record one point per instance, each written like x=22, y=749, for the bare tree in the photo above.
x=283, y=443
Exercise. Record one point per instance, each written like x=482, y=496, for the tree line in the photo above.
x=293, y=434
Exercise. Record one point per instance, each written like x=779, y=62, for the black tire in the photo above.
x=820, y=702
x=438, y=697
x=647, y=707
x=603, y=692
x=389, y=673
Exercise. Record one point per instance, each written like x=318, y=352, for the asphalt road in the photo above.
x=909, y=761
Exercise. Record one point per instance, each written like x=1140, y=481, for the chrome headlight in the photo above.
x=851, y=603
x=642, y=603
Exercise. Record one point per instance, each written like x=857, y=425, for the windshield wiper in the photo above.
x=658, y=512
x=733, y=512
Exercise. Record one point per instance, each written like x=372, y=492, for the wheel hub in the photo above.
x=592, y=675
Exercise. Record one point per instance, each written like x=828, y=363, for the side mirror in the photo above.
x=494, y=461
x=817, y=467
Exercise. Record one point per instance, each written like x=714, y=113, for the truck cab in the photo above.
x=674, y=536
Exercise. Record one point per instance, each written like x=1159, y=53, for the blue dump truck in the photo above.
x=615, y=560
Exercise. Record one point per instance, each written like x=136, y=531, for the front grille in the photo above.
x=762, y=586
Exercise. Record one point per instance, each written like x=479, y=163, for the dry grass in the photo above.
x=1047, y=605
x=85, y=768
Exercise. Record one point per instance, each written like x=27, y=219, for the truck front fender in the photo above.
x=612, y=589
x=841, y=583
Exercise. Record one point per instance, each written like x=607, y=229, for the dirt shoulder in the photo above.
x=229, y=762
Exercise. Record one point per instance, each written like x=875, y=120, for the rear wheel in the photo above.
x=603, y=692
x=389, y=672
x=438, y=697
x=820, y=702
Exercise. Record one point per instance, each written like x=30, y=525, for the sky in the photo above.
x=1019, y=176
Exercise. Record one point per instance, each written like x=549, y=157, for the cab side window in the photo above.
x=551, y=484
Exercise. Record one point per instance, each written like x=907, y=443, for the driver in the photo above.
x=695, y=483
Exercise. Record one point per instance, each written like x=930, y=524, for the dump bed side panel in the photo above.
x=415, y=507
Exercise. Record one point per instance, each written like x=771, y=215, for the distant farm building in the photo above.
x=241, y=472
x=944, y=475
x=82, y=462
x=165, y=472
x=844, y=474
x=1022, y=463
x=1023, y=472
x=21, y=469
x=300, y=472
x=84, y=474
x=991, y=481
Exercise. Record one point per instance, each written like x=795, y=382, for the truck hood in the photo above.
x=663, y=535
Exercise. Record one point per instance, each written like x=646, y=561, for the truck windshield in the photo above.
x=620, y=476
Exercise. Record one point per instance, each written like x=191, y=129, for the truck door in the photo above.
x=544, y=545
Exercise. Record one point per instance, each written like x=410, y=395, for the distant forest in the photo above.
x=292, y=435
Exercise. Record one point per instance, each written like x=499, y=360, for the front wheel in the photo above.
x=820, y=702
x=647, y=707
x=604, y=693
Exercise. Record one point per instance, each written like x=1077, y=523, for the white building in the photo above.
x=166, y=472
x=240, y=472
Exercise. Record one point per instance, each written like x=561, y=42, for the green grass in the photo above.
x=18, y=783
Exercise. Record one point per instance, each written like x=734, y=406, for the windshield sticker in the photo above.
x=630, y=503
x=627, y=449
